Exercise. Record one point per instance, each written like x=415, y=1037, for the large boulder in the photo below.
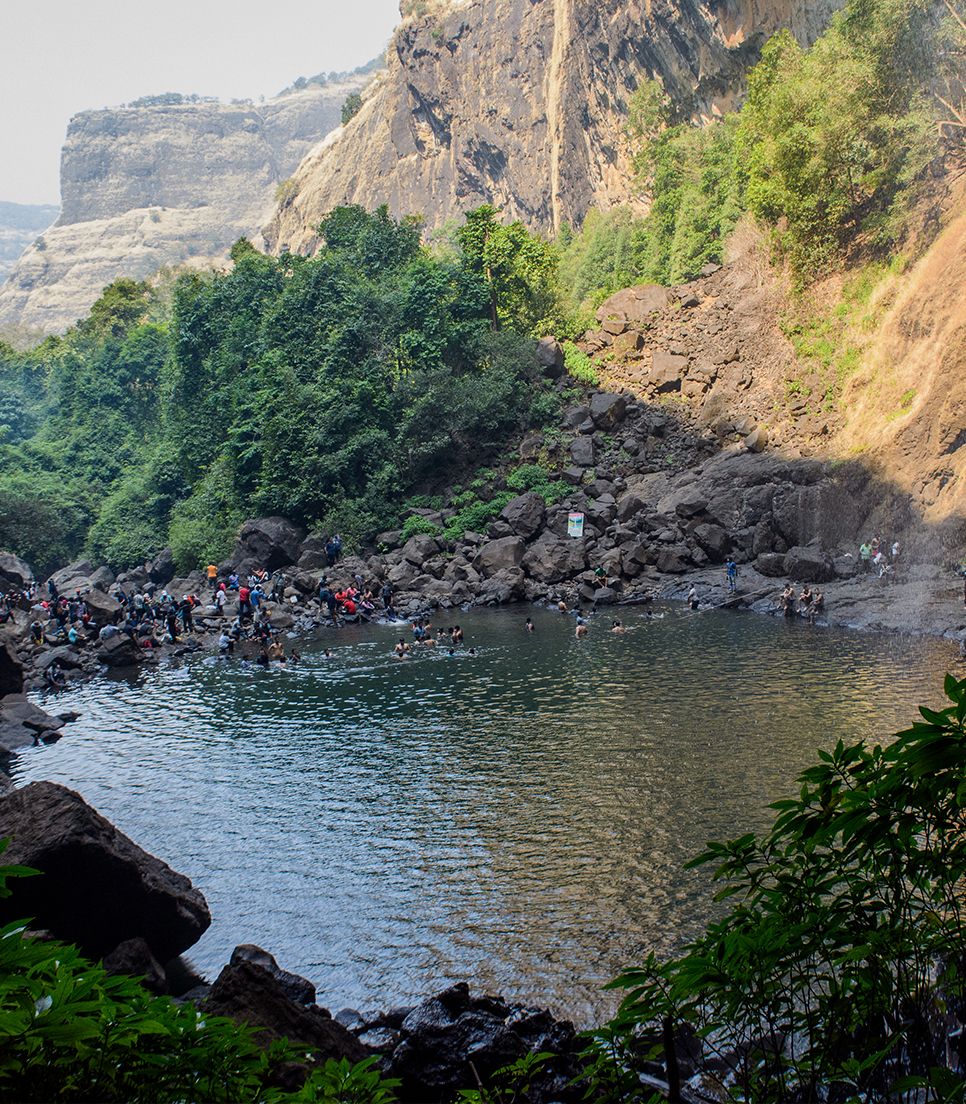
x=270, y=542
x=14, y=571
x=75, y=576
x=713, y=539
x=251, y=994
x=550, y=357
x=551, y=559
x=808, y=564
x=97, y=888
x=118, y=651
x=525, y=514
x=418, y=549
x=607, y=409
x=11, y=673
x=499, y=555
x=635, y=304
x=161, y=569
x=770, y=564
x=105, y=610
x=582, y=451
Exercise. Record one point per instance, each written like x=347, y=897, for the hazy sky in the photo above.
x=64, y=56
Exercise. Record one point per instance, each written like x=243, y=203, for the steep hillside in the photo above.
x=20, y=223
x=717, y=352
x=146, y=186
x=522, y=103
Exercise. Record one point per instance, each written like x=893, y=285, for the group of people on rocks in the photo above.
x=878, y=559
x=808, y=604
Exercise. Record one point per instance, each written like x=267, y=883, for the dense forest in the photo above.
x=330, y=389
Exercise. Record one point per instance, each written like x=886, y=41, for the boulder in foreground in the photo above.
x=98, y=888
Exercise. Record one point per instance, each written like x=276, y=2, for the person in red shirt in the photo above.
x=244, y=601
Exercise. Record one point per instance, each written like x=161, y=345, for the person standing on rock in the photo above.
x=731, y=571
x=244, y=602
x=387, y=594
x=212, y=570
x=865, y=556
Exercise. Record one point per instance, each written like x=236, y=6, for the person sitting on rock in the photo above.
x=225, y=644
x=36, y=632
x=75, y=636
x=54, y=676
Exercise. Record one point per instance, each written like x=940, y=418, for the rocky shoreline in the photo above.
x=131, y=911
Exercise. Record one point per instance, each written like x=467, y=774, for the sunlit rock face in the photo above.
x=168, y=184
x=522, y=103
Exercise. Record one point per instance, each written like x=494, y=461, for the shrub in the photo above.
x=416, y=524
x=845, y=939
x=476, y=516
x=579, y=366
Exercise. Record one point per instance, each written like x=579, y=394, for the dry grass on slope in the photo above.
x=905, y=405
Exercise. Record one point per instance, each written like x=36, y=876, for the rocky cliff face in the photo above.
x=144, y=187
x=522, y=103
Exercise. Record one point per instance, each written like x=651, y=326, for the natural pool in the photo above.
x=518, y=819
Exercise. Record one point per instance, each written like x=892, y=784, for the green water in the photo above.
x=519, y=818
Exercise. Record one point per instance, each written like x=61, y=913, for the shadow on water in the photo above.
x=520, y=817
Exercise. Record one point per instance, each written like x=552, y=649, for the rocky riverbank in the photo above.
x=123, y=906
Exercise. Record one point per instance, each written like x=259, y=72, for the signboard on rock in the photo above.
x=575, y=525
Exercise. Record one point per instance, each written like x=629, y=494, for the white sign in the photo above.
x=575, y=525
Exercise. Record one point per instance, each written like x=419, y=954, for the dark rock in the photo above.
x=629, y=506
x=627, y=343
x=98, y=889
x=713, y=539
x=607, y=410
x=808, y=564
x=525, y=514
x=250, y=994
x=270, y=542
x=582, y=451
x=550, y=357
x=671, y=561
x=73, y=577
x=351, y=1019
x=296, y=988
x=573, y=475
x=118, y=651
x=688, y=502
x=770, y=564
x=22, y=723
x=161, y=569
x=551, y=559
x=105, y=610
x=605, y=596
x=497, y=555
x=420, y=548
x=575, y=416
x=14, y=571
x=11, y=673
x=133, y=958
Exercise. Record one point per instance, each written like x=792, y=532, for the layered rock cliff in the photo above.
x=167, y=184
x=522, y=103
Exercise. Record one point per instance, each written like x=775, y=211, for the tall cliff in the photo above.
x=522, y=103
x=163, y=184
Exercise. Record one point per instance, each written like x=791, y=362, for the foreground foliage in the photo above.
x=69, y=1031
x=837, y=971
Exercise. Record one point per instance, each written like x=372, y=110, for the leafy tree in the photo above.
x=844, y=939
x=351, y=106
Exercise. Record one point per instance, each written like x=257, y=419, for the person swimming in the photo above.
x=529, y=626
x=617, y=627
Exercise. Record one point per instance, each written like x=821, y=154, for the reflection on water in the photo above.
x=519, y=818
